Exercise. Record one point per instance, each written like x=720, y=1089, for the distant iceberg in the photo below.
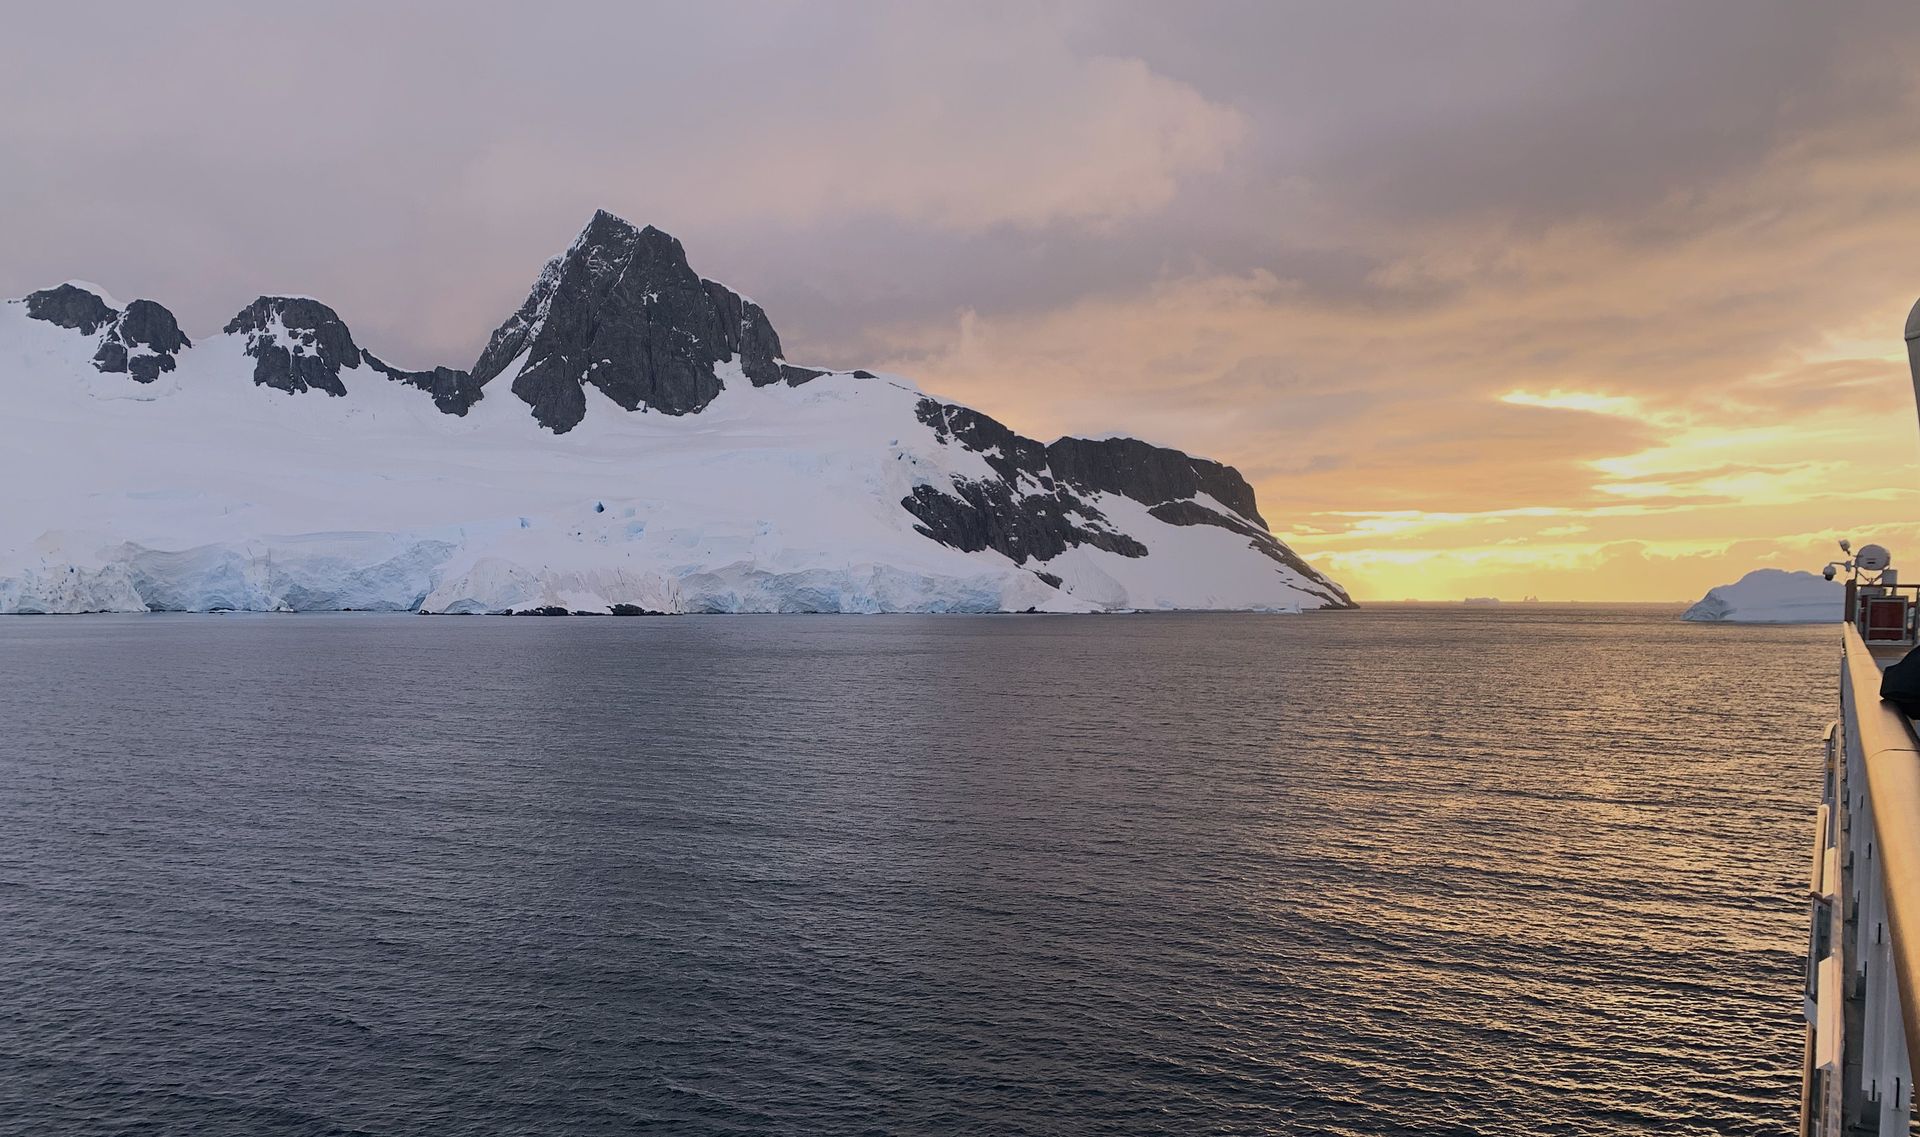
x=1771, y=596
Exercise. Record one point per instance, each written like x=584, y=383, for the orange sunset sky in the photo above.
x=1587, y=301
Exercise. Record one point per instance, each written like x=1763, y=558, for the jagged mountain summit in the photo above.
x=623, y=313
x=631, y=439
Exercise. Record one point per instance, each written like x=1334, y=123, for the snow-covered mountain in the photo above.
x=1771, y=596
x=631, y=439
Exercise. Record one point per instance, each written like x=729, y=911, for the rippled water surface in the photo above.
x=1525, y=870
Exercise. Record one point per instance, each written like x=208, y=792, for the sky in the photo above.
x=1593, y=301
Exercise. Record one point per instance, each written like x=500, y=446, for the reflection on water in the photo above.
x=1404, y=870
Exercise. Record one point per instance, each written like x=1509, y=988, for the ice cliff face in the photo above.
x=632, y=439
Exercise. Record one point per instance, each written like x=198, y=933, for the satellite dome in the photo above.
x=1872, y=558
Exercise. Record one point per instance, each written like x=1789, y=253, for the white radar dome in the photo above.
x=1872, y=558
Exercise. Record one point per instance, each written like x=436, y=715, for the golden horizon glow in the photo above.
x=1691, y=508
x=1576, y=415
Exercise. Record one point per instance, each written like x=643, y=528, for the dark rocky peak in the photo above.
x=150, y=325
x=142, y=342
x=297, y=344
x=1148, y=473
x=71, y=306
x=622, y=311
x=1036, y=504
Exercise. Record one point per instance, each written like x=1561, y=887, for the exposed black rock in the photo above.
x=1036, y=504
x=70, y=306
x=149, y=325
x=623, y=311
x=978, y=515
x=296, y=344
x=112, y=358
x=756, y=343
x=794, y=376
x=1007, y=452
x=1149, y=473
x=142, y=342
x=556, y=610
x=453, y=391
x=1015, y=516
x=299, y=345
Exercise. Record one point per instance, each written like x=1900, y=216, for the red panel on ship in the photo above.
x=1884, y=619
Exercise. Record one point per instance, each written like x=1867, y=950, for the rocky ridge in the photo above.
x=623, y=313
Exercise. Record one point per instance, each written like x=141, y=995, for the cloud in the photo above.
x=415, y=164
x=1714, y=352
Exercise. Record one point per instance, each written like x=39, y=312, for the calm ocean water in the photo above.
x=1438, y=871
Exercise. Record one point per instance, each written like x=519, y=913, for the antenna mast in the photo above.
x=1913, y=349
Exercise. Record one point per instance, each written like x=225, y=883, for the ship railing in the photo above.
x=1863, y=1020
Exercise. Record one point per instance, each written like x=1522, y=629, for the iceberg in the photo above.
x=1771, y=596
